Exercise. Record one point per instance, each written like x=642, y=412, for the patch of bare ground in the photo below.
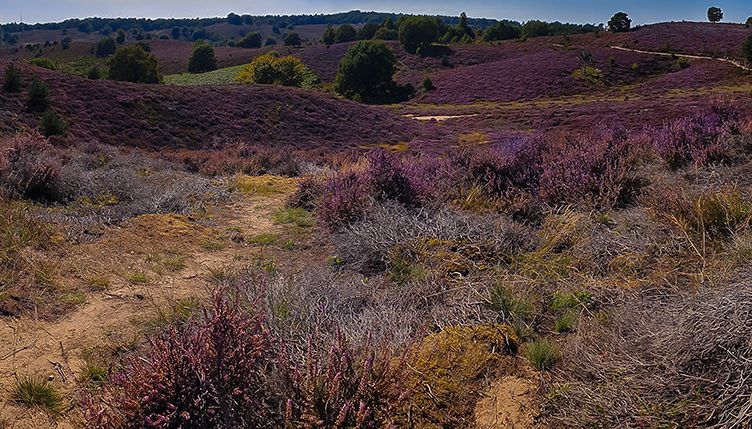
x=131, y=280
x=509, y=403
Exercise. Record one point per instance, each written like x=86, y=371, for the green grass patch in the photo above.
x=266, y=239
x=297, y=216
x=224, y=76
x=37, y=392
x=542, y=354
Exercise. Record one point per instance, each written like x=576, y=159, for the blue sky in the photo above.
x=596, y=11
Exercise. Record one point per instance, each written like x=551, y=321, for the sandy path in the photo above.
x=117, y=317
x=695, y=57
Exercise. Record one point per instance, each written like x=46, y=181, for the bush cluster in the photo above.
x=271, y=69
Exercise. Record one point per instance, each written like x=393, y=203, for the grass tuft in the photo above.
x=542, y=354
x=37, y=392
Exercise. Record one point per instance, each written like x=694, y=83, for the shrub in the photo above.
x=202, y=58
x=747, y=49
x=501, y=31
x=542, y=354
x=270, y=41
x=748, y=23
x=106, y=47
x=535, y=28
x=386, y=34
x=418, y=33
x=43, y=62
x=349, y=387
x=250, y=41
x=120, y=38
x=593, y=169
x=367, y=31
x=366, y=71
x=39, y=96
x=94, y=73
x=619, y=23
x=270, y=69
x=214, y=370
x=52, y=125
x=27, y=167
x=345, y=33
x=699, y=139
x=292, y=39
x=328, y=37
x=12, y=79
x=427, y=84
x=37, y=392
x=134, y=64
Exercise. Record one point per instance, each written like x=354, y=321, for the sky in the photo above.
x=579, y=11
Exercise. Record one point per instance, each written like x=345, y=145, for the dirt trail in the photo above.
x=116, y=317
x=695, y=57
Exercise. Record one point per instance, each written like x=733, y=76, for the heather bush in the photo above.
x=12, y=79
x=215, y=370
x=594, y=169
x=52, y=124
x=348, y=387
x=39, y=96
x=202, y=58
x=28, y=167
x=344, y=199
x=701, y=139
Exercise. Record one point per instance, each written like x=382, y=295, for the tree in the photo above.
x=270, y=41
x=271, y=69
x=749, y=22
x=52, y=125
x=202, y=59
x=388, y=24
x=715, y=14
x=175, y=33
x=106, y=47
x=134, y=64
x=292, y=39
x=428, y=84
x=12, y=79
x=417, y=33
x=250, y=41
x=39, y=96
x=367, y=31
x=366, y=71
x=747, y=49
x=501, y=31
x=234, y=19
x=85, y=27
x=247, y=19
x=120, y=39
x=619, y=23
x=65, y=43
x=466, y=28
x=534, y=28
x=329, y=35
x=345, y=33
x=386, y=34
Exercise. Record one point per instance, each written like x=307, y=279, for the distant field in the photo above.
x=224, y=76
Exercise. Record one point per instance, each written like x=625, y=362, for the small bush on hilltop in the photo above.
x=39, y=96
x=366, y=72
x=202, y=58
x=134, y=64
x=12, y=79
x=271, y=69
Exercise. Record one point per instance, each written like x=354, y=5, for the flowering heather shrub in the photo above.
x=27, y=167
x=213, y=371
x=344, y=199
x=506, y=169
x=700, y=139
x=593, y=169
x=346, y=389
